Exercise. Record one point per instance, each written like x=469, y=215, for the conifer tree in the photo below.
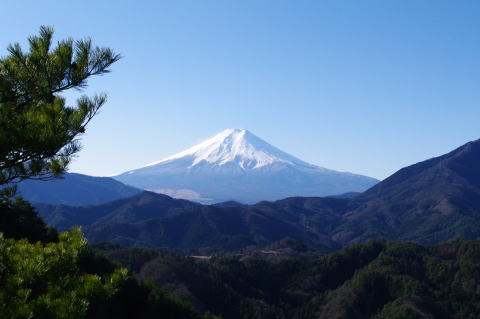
x=39, y=131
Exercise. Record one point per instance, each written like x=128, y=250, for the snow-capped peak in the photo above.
x=234, y=145
x=236, y=164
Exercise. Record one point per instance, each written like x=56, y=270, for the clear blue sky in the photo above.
x=360, y=86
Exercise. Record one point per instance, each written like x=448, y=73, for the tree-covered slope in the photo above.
x=427, y=202
x=379, y=279
x=207, y=228
x=142, y=206
x=154, y=220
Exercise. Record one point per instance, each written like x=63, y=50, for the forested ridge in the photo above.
x=379, y=279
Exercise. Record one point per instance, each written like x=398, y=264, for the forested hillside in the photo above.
x=46, y=275
x=379, y=279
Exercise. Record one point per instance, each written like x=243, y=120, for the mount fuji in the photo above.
x=237, y=165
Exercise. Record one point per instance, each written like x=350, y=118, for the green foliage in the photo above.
x=45, y=281
x=38, y=130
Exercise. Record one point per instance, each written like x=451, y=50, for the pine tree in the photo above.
x=38, y=130
x=43, y=277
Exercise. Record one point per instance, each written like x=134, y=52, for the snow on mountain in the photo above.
x=237, y=165
x=235, y=145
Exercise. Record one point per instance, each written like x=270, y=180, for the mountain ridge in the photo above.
x=441, y=194
x=428, y=202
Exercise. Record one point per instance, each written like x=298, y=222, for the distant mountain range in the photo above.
x=237, y=165
x=155, y=220
x=428, y=202
x=75, y=190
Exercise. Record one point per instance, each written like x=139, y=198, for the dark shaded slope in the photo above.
x=320, y=214
x=145, y=205
x=75, y=190
x=154, y=220
x=211, y=228
x=427, y=202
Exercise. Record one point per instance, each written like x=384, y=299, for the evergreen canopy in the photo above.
x=38, y=130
